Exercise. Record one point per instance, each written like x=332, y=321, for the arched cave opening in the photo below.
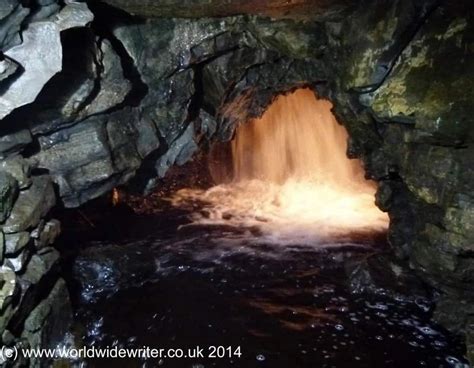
x=262, y=183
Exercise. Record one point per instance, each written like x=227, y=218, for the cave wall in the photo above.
x=98, y=95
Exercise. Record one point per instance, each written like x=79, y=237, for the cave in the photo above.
x=209, y=183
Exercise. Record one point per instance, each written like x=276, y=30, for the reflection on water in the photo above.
x=284, y=306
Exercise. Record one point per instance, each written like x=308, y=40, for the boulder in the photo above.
x=14, y=142
x=40, y=55
x=47, y=234
x=47, y=325
x=31, y=206
x=6, y=7
x=14, y=243
x=8, y=285
x=8, y=195
x=10, y=25
x=114, y=87
x=18, y=168
x=7, y=68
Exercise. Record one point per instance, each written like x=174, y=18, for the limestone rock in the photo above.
x=31, y=205
x=44, y=12
x=7, y=68
x=47, y=234
x=18, y=262
x=40, y=265
x=40, y=55
x=2, y=246
x=8, y=194
x=8, y=284
x=73, y=15
x=430, y=88
x=370, y=40
x=113, y=85
x=470, y=340
x=179, y=152
x=18, y=168
x=147, y=140
x=122, y=134
x=14, y=142
x=48, y=323
x=7, y=7
x=10, y=26
x=14, y=243
x=89, y=163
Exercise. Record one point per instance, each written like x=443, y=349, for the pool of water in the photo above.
x=254, y=304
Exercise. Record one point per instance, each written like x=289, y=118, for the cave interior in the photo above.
x=128, y=129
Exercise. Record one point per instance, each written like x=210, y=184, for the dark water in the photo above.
x=265, y=305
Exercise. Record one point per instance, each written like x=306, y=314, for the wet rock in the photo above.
x=113, y=85
x=431, y=88
x=147, y=140
x=65, y=97
x=7, y=7
x=18, y=262
x=44, y=12
x=102, y=152
x=7, y=68
x=41, y=264
x=208, y=124
x=179, y=152
x=48, y=323
x=14, y=142
x=46, y=234
x=8, y=195
x=2, y=246
x=91, y=82
x=10, y=26
x=18, y=168
x=454, y=310
x=470, y=340
x=8, y=284
x=122, y=135
x=7, y=338
x=383, y=274
x=89, y=164
x=40, y=55
x=14, y=243
x=372, y=38
x=32, y=205
x=73, y=15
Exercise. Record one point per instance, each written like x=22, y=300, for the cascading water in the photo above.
x=291, y=177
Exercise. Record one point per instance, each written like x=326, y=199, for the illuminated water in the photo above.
x=284, y=306
x=290, y=177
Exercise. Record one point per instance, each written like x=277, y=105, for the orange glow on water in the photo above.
x=292, y=178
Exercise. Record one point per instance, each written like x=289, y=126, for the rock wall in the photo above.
x=87, y=105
